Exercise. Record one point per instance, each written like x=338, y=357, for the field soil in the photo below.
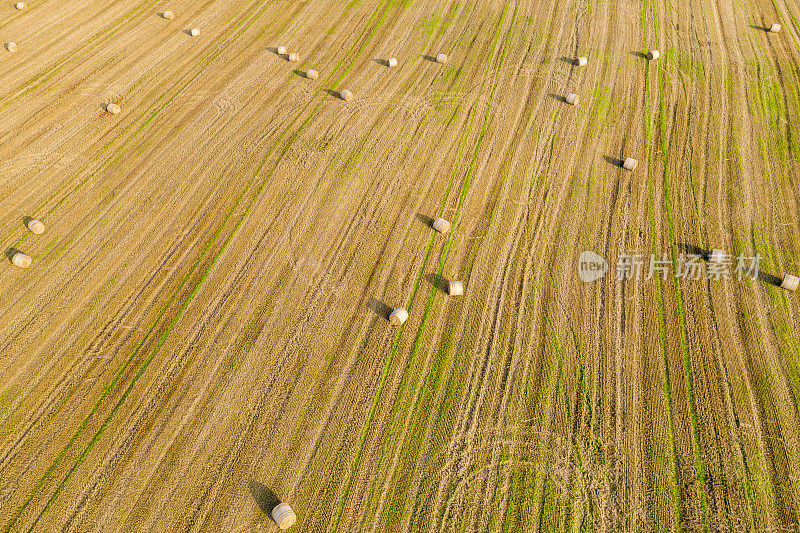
x=203, y=330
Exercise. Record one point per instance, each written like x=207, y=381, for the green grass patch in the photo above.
x=601, y=102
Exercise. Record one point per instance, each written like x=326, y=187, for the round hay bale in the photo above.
x=294, y=57
x=572, y=99
x=455, y=288
x=194, y=32
x=441, y=225
x=282, y=51
x=20, y=5
x=21, y=260
x=11, y=47
x=790, y=282
x=312, y=74
x=583, y=61
x=653, y=54
x=36, y=226
x=113, y=108
x=398, y=316
x=284, y=515
x=441, y=58
x=630, y=164
x=716, y=256
x=168, y=15
x=775, y=28
x=346, y=95
x=392, y=62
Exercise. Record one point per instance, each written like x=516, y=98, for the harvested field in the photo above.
x=203, y=328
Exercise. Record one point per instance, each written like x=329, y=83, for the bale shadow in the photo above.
x=432, y=59
x=26, y=221
x=379, y=308
x=264, y=497
x=613, y=161
x=640, y=55
x=569, y=60
x=772, y=279
x=762, y=28
x=333, y=93
x=425, y=219
x=299, y=73
x=161, y=14
x=382, y=62
x=274, y=50
x=692, y=249
x=438, y=281
x=188, y=32
x=10, y=253
x=558, y=97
